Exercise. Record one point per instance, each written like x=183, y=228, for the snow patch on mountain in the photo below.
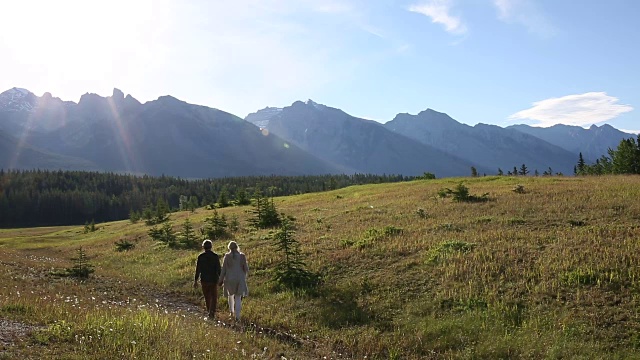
x=262, y=117
x=17, y=99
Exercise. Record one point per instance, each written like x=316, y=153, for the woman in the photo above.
x=234, y=278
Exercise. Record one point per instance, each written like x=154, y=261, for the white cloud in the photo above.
x=631, y=131
x=440, y=13
x=580, y=109
x=526, y=13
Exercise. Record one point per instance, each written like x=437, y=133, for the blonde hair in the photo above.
x=233, y=248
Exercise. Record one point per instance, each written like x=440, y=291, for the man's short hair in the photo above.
x=207, y=244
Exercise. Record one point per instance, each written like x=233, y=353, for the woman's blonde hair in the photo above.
x=234, y=248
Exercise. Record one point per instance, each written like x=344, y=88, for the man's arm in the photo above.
x=217, y=265
x=198, y=271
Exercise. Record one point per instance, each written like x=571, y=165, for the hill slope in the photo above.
x=406, y=274
x=15, y=154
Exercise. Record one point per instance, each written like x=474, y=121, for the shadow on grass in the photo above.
x=341, y=308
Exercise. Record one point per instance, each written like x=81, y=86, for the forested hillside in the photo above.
x=41, y=198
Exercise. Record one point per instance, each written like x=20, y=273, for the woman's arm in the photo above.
x=245, y=265
x=224, y=270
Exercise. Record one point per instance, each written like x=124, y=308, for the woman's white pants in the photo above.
x=235, y=305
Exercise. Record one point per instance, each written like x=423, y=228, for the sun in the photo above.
x=88, y=42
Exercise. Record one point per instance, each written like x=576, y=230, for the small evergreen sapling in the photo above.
x=81, y=267
x=290, y=270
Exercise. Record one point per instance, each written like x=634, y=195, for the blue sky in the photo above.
x=502, y=62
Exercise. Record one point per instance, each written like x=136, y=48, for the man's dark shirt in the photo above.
x=208, y=267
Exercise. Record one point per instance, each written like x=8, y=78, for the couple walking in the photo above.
x=232, y=276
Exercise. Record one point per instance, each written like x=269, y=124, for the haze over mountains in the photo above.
x=171, y=137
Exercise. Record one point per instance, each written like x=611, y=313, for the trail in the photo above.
x=105, y=292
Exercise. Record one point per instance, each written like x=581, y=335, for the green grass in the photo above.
x=549, y=273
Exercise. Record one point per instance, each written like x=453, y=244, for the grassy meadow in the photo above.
x=548, y=273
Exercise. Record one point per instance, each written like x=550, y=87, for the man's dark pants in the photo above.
x=210, y=292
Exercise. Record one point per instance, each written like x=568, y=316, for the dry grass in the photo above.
x=548, y=273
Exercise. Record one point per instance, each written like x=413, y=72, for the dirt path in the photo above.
x=104, y=292
x=12, y=332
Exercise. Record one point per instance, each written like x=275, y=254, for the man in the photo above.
x=208, y=270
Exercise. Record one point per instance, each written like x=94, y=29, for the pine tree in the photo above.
x=223, y=197
x=474, y=172
x=626, y=158
x=581, y=165
x=165, y=235
x=290, y=271
x=241, y=197
x=188, y=236
x=134, y=216
x=500, y=173
x=265, y=214
x=193, y=203
x=81, y=267
x=523, y=170
x=215, y=227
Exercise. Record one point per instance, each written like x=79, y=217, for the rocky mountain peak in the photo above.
x=262, y=117
x=117, y=95
x=18, y=99
x=130, y=100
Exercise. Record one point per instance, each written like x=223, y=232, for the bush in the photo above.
x=265, y=214
x=422, y=214
x=215, y=227
x=124, y=245
x=447, y=248
x=461, y=194
x=165, y=235
x=81, y=268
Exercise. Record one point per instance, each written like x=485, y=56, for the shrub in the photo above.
x=577, y=223
x=81, y=267
x=215, y=227
x=265, y=214
x=165, y=235
x=371, y=236
x=427, y=176
x=124, y=245
x=445, y=249
x=519, y=189
x=422, y=214
x=461, y=194
x=516, y=221
x=90, y=227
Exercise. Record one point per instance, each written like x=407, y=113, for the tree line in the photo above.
x=47, y=198
x=625, y=159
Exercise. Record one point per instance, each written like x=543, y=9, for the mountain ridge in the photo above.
x=173, y=137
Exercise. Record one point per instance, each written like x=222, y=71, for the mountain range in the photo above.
x=171, y=137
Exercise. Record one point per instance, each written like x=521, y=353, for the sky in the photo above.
x=502, y=62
